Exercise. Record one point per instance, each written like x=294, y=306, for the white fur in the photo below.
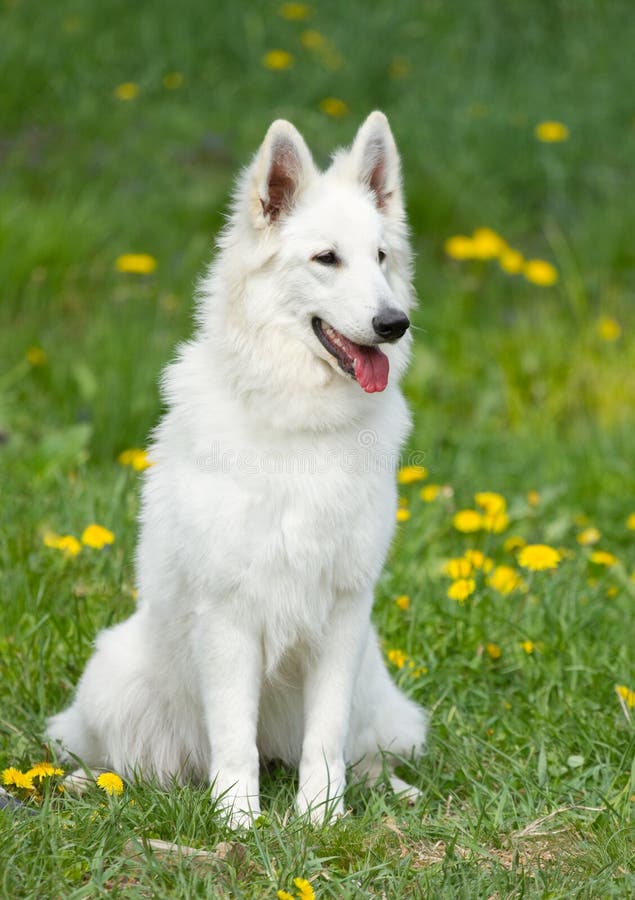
x=269, y=509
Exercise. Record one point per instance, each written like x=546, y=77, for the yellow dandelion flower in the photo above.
x=295, y=12
x=430, y=492
x=478, y=560
x=588, y=536
x=136, y=458
x=36, y=357
x=528, y=646
x=511, y=261
x=397, y=658
x=513, y=543
x=68, y=544
x=490, y=501
x=15, y=778
x=277, y=60
x=459, y=567
x=399, y=68
x=305, y=891
x=626, y=694
x=333, y=107
x=172, y=81
x=551, y=132
x=468, y=521
x=505, y=580
x=402, y=515
x=110, y=783
x=284, y=895
x=312, y=39
x=459, y=246
x=533, y=498
x=603, y=558
x=477, y=110
x=43, y=770
x=486, y=244
x=630, y=522
x=127, y=91
x=403, y=601
x=97, y=537
x=417, y=671
x=612, y=592
x=72, y=24
x=608, y=329
x=540, y=272
x=136, y=263
x=493, y=651
x=495, y=523
x=461, y=589
x=410, y=474
x=330, y=57
x=538, y=557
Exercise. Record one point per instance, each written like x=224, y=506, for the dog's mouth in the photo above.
x=366, y=364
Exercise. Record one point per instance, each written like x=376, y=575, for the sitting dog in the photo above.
x=270, y=505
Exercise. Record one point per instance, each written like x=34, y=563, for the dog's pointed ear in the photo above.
x=376, y=162
x=282, y=168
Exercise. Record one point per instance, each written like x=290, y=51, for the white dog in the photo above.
x=269, y=509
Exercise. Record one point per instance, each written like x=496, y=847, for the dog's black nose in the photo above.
x=391, y=324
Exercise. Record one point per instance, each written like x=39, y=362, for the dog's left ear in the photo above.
x=282, y=168
x=376, y=162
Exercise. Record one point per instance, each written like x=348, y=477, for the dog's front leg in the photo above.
x=328, y=687
x=232, y=674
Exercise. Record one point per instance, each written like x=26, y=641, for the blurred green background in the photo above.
x=87, y=176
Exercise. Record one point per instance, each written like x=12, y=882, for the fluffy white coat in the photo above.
x=269, y=510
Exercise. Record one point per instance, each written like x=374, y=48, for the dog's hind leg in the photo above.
x=72, y=738
x=124, y=717
x=384, y=724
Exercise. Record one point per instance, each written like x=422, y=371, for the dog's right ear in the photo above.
x=283, y=166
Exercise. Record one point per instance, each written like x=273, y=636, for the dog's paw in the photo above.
x=241, y=819
x=79, y=781
x=319, y=812
x=321, y=798
x=404, y=791
x=238, y=813
x=236, y=800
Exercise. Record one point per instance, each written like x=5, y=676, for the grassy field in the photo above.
x=120, y=129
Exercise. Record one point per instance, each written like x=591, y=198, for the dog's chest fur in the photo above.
x=279, y=527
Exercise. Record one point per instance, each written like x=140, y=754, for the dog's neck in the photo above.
x=283, y=386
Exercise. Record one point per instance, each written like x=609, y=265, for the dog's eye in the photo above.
x=327, y=259
x=381, y=256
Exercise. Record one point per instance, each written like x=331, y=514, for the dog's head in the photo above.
x=330, y=261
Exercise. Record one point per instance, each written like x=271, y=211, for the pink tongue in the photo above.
x=371, y=368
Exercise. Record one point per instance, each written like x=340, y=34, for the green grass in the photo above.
x=528, y=783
